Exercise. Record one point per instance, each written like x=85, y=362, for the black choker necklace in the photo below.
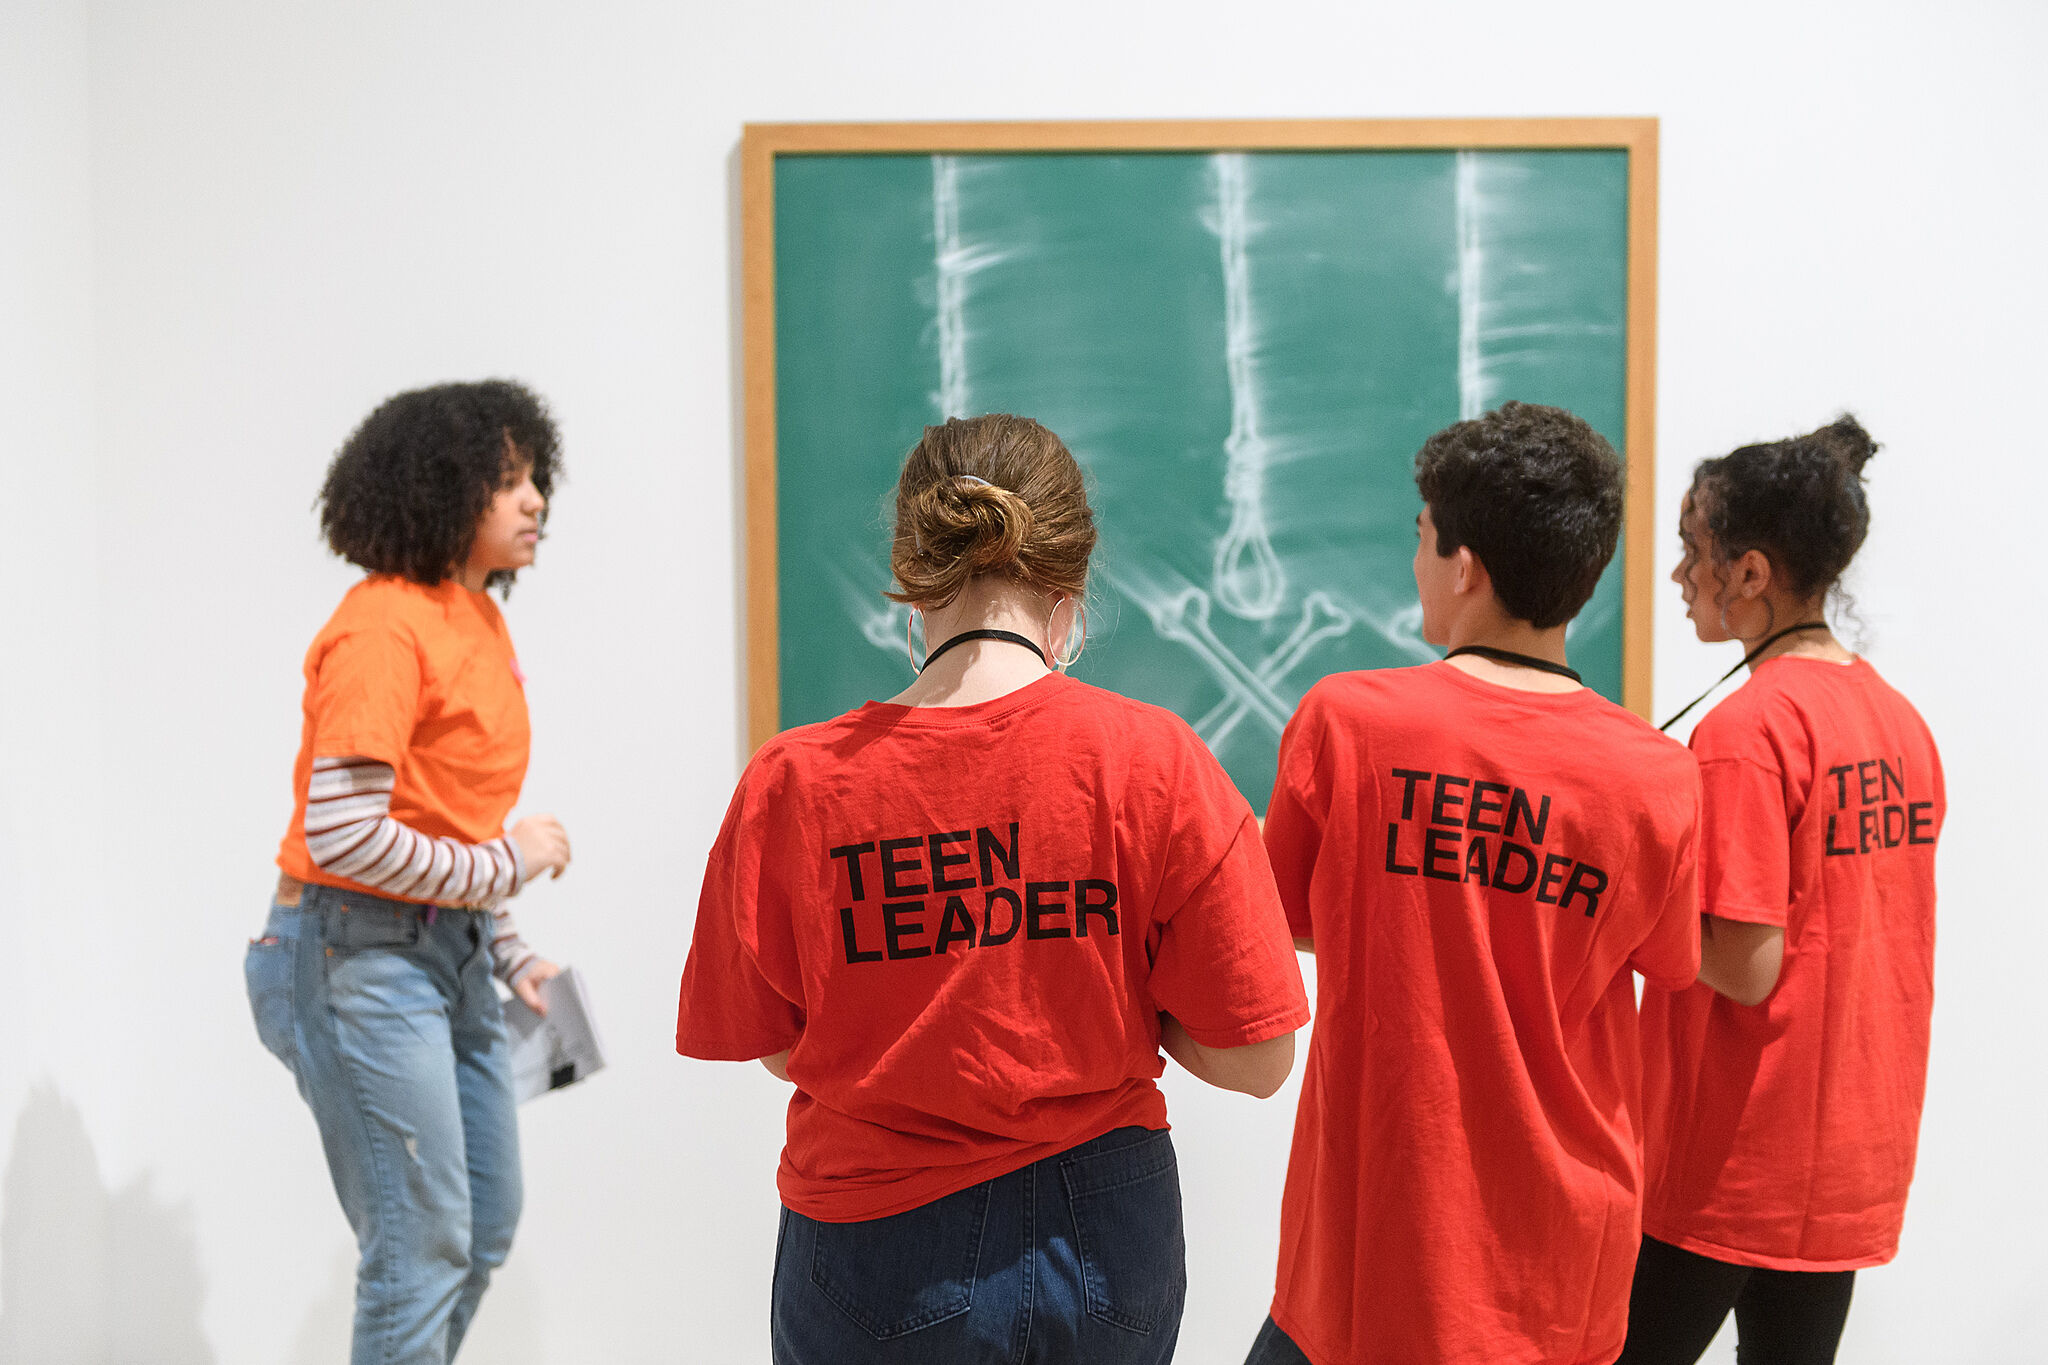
x=1008, y=637
x=1508, y=656
x=1747, y=660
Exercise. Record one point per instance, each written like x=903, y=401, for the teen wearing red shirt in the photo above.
x=1479, y=852
x=1785, y=1089
x=963, y=923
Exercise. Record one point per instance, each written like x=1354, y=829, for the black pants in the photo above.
x=1782, y=1317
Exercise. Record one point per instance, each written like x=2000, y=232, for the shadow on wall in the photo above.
x=324, y=1335
x=88, y=1276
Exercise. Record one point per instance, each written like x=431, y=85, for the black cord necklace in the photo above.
x=1508, y=656
x=1747, y=660
x=1008, y=637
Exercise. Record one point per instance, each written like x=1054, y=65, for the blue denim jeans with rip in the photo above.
x=387, y=1018
x=1076, y=1258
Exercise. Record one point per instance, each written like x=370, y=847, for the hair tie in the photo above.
x=975, y=478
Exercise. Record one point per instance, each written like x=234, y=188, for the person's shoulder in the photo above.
x=788, y=760
x=1770, y=703
x=1372, y=695
x=1628, y=739
x=382, y=600
x=378, y=607
x=801, y=744
x=1866, y=675
x=1124, y=720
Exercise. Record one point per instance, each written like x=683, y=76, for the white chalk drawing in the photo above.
x=1321, y=619
x=955, y=261
x=953, y=265
x=1596, y=618
x=1248, y=579
x=1507, y=309
x=1265, y=690
x=1474, y=394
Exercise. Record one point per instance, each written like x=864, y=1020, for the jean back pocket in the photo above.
x=1125, y=1199
x=910, y=1270
x=267, y=968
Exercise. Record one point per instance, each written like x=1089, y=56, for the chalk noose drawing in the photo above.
x=1248, y=578
x=1473, y=388
x=954, y=263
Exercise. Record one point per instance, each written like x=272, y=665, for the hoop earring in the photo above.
x=1062, y=660
x=910, y=649
x=1770, y=622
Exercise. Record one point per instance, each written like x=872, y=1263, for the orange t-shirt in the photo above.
x=424, y=679
x=1479, y=868
x=964, y=923
x=1783, y=1135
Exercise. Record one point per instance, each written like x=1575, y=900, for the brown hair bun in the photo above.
x=991, y=494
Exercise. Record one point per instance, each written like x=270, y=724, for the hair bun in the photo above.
x=996, y=521
x=1846, y=442
x=1022, y=514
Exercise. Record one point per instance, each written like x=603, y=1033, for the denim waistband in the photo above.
x=291, y=892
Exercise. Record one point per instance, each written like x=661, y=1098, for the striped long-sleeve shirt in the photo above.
x=351, y=833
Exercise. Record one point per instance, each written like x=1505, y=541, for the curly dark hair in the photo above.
x=1799, y=500
x=1536, y=493
x=405, y=493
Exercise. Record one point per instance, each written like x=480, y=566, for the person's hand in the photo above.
x=527, y=987
x=543, y=844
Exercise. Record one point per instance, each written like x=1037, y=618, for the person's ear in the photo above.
x=1750, y=575
x=1471, y=574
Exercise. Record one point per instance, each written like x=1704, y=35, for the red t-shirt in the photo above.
x=1479, y=868
x=1783, y=1135
x=964, y=922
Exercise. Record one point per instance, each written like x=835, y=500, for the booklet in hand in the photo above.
x=559, y=1048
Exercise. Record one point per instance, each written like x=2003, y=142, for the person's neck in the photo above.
x=1510, y=636
x=472, y=577
x=981, y=670
x=1819, y=642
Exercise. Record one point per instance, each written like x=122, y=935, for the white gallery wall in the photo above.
x=228, y=230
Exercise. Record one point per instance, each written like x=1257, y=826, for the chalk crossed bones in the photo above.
x=1185, y=618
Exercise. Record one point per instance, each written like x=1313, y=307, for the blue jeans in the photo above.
x=1275, y=1347
x=392, y=1028
x=1076, y=1258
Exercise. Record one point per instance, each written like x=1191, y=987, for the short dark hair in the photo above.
x=405, y=493
x=1799, y=500
x=1536, y=493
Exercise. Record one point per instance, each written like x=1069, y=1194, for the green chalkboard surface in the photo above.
x=1243, y=348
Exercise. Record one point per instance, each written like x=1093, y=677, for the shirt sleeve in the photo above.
x=1670, y=955
x=1746, y=845
x=729, y=1009
x=1225, y=965
x=1294, y=819
x=351, y=833
x=365, y=696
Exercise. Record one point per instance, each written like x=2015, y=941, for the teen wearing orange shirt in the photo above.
x=1479, y=852
x=1785, y=1088
x=372, y=980
x=963, y=923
